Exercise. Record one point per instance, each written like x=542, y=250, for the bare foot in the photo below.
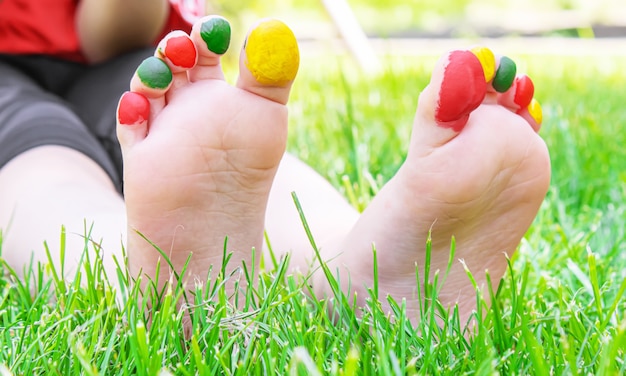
x=199, y=154
x=476, y=170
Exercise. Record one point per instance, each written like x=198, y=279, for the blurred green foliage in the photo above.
x=396, y=16
x=412, y=9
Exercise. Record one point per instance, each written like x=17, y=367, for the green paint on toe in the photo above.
x=505, y=75
x=216, y=34
x=154, y=73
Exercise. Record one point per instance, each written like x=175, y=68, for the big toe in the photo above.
x=457, y=87
x=269, y=60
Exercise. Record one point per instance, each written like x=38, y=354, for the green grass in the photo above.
x=559, y=310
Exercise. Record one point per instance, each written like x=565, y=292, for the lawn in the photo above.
x=559, y=310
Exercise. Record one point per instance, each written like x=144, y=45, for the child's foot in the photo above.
x=475, y=171
x=199, y=154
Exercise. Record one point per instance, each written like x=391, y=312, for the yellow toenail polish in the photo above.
x=272, y=53
x=534, y=109
x=487, y=60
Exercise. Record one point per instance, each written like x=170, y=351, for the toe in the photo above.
x=152, y=78
x=179, y=52
x=499, y=72
x=462, y=89
x=519, y=95
x=133, y=112
x=519, y=99
x=505, y=74
x=161, y=74
x=269, y=60
x=532, y=114
x=211, y=35
x=457, y=87
x=509, y=89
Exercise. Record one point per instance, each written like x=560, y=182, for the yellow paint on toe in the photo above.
x=487, y=60
x=272, y=53
x=534, y=109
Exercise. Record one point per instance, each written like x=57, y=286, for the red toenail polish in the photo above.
x=524, y=91
x=462, y=90
x=133, y=109
x=181, y=51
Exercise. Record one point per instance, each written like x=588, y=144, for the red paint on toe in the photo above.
x=524, y=91
x=133, y=109
x=456, y=125
x=181, y=51
x=463, y=89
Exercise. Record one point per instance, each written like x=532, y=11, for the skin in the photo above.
x=519, y=99
x=48, y=187
x=461, y=182
x=198, y=170
x=481, y=185
x=237, y=128
x=108, y=28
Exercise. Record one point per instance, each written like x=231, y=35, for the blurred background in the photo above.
x=446, y=18
x=367, y=29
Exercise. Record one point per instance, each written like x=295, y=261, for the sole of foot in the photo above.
x=476, y=173
x=200, y=154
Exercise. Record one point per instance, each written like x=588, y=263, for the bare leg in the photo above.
x=328, y=214
x=52, y=186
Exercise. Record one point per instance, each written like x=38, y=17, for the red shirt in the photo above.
x=48, y=27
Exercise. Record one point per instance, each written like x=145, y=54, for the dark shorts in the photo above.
x=44, y=101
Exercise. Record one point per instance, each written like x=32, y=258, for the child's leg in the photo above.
x=48, y=177
x=329, y=215
x=51, y=186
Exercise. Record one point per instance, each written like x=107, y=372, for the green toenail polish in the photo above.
x=216, y=34
x=154, y=73
x=504, y=75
